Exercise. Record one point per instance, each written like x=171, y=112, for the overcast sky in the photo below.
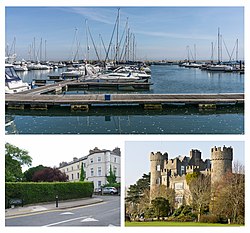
x=160, y=32
x=50, y=150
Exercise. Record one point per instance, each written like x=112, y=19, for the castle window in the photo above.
x=182, y=170
x=178, y=186
x=158, y=181
x=158, y=168
x=179, y=199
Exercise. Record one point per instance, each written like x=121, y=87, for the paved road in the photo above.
x=106, y=213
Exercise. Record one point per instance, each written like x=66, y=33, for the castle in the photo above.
x=172, y=172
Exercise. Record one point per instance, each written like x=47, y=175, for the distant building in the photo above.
x=172, y=172
x=96, y=166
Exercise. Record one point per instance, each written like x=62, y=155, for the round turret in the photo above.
x=156, y=165
x=221, y=162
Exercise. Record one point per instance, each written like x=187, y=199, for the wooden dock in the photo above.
x=49, y=95
x=153, y=101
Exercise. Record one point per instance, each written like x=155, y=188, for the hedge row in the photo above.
x=33, y=192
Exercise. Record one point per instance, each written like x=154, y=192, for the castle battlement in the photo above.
x=158, y=156
x=224, y=153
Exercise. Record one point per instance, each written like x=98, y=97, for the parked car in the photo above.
x=109, y=190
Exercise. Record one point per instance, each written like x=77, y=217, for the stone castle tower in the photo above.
x=221, y=162
x=156, y=165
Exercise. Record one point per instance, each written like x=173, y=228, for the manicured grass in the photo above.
x=177, y=224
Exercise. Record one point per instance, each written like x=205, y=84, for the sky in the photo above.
x=137, y=154
x=50, y=150
x=160, y=32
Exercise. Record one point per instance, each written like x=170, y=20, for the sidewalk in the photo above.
x=51, y=206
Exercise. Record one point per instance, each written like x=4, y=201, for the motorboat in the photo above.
x=20, y=68
x=74, y=72
x=220, y=68
x=127, y=76
x=13, y=83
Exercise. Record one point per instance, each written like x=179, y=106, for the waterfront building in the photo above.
x=172, y=172
x=96, y=166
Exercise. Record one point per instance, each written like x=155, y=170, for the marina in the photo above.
x=112, y=79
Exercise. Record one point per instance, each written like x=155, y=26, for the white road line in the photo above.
x=89, y=220
x=69, y=220
x=66, y=213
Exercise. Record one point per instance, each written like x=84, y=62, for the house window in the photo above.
x=99, y=171
x=72, y=168
x=77, y=166
x=115, y=170
x=84, y=164
x=67, y=169
x=99, y=184
x=92, y=172
x=72, y=176
x=99, y=159
x=91, y=160
x=115, y=159
x=78, y=175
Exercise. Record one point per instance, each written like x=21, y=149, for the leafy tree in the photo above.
x=192, y=176
x=167, y=193
x=160, y=206
x=49, y=174
x=111, y=178
x=137, y=190
x=82, y=174
x=15, y=158
x=28, y=175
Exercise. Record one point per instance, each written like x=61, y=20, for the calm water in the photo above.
x=134, y=120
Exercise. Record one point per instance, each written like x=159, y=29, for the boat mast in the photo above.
x=45, y=52
x=117, y=36
x=87, y=38
x=237, y=49
x=218, y=45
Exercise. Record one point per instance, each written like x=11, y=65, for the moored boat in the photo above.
x=13, y=83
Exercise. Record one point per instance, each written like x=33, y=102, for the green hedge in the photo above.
x=33, y=192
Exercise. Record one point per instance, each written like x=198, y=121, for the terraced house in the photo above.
x=96, y=166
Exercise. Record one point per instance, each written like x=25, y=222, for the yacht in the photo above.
x=13, y=83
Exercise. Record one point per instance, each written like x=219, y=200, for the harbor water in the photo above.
x=166, y=79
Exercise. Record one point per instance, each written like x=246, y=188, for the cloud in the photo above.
x=102, y=15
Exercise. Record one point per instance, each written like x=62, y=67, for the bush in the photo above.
x=32, y=192
x=178, y=211
x=210, y=219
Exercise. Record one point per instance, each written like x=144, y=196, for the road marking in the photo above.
x=110, y=225
x=69, y=220
x=89, y=220
x=66, y=213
